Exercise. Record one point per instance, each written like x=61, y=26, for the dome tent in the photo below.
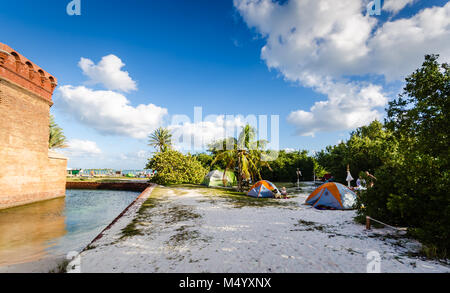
x=332, y=196
x=262, y=189
x=215, y=179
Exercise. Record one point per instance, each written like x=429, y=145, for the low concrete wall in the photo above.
x=130, y=186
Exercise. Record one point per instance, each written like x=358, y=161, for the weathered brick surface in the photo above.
x=27, y=173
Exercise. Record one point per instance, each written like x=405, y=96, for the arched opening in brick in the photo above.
x=42, y=76
x=18, y=61
x=30, y=69
x=52, y=82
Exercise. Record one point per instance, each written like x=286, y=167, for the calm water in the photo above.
x=51, y=229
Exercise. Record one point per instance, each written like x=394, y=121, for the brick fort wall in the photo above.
x=29, y=172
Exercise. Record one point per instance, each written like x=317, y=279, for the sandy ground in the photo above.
x=192, y=231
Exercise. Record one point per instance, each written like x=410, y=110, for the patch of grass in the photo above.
x=183, y=235
x=240, y=199
x=171, y=215
x=186, y=186
x=305, y=223
x=287, y=184
x=353, y=252
x=310, y=226
x=132, y=229
x=398, y=258
x=434, y=253
x=61, y=268
x=236, y=198
x=90, y=247
x=180, y=213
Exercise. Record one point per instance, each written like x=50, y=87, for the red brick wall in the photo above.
x=27, y=174
x=21, y=71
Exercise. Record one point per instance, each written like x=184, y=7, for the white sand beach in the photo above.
x=191, y=230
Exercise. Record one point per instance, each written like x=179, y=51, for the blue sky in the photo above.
x=243, y=57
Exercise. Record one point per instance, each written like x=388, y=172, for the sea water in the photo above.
x=50, y=229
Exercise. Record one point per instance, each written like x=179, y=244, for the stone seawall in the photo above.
x=130, y=186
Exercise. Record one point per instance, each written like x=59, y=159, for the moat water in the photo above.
x=36, y=236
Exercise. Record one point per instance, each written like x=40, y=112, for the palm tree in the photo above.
x=161, y=138
x=56, y=138
x=222, y=152
x=249, y=156
x=244, y=155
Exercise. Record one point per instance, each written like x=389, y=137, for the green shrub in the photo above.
x=173, y=167
x=368, y=148
x=284, y=167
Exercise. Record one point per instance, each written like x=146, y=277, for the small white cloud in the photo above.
x=290, y=150
x=135, y=156
x=108, y=72
x=142, y=154
x=81, y=148
x=395, y=6
x=110, y=112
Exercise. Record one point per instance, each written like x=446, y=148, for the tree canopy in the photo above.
x=412, y=185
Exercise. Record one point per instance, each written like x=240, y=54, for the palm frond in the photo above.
x=56, y=138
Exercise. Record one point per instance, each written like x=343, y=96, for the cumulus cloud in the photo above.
x=81, y=148
x=108, y=72
x=110, y=112
x=398, y=47
x=198, y=135
x=395, y=6
x=339, y=112
x=322, y=44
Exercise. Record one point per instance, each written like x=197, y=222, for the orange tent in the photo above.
x=262, y=188
x=333, y=196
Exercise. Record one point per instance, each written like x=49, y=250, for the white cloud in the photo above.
x=140, y=155
x=110, y=112
x=321, y=44
x=81, y=148
x=395, y=6
x=290, y=150
x=197, y=135
x=398, y=47
x=340, y=112
x=108, y=72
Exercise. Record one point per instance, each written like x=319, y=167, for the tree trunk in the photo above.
x=239, y=175
x=224, y=178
